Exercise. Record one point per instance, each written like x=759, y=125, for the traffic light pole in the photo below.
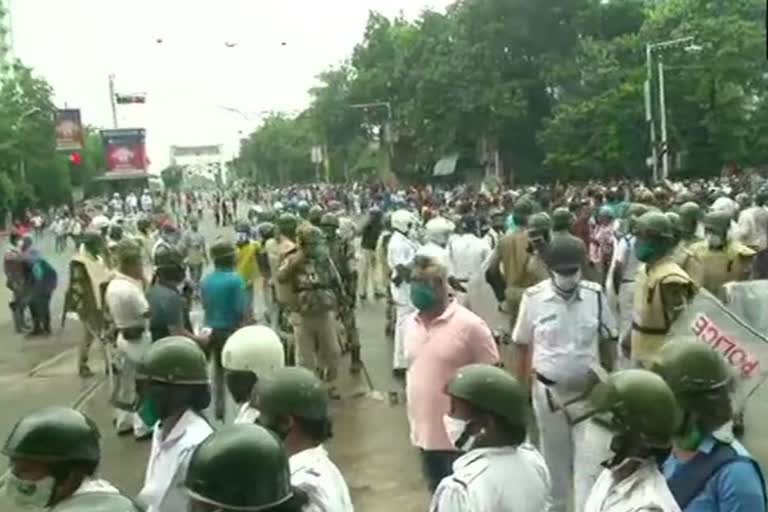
x=113, y=100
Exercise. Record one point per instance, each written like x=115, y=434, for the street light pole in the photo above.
x=663, y=116
x=112, y=100
x=649, y=110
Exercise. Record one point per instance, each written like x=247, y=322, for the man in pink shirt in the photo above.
x=441, y=337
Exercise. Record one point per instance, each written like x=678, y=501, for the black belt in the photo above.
x=544, y=380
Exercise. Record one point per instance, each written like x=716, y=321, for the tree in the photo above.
x=173, y=177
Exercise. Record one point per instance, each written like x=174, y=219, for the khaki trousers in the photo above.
x=317, y=346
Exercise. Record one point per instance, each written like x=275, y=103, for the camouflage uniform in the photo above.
x=342, y=254
x=311, y=274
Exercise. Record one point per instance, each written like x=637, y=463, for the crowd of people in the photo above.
x=587, y=280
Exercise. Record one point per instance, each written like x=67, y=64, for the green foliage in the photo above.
x=173, y=177
x=555, y=85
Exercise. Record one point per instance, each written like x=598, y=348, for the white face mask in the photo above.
x=566, y=283
x=714, y=240
x=456, y=429
x=29, y=493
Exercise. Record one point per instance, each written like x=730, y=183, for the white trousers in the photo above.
x=399, y=362
x=573, y=453
x=626, y=312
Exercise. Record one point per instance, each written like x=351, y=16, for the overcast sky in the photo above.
x=76, y=44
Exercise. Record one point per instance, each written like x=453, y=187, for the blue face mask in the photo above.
x=423, y=297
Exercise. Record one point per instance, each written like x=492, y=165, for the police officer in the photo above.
x=708, y=469
x=176, y=376
x=562, y=221
x=690, y=215
x=250, y=353
x=516, y=264
x=294, y=405
x=487, y=420
x=723, y=259
x=54, y=453
x=241, y=468
x=343, y=256
x=681, y=255
x=315, y=215
x=285, y=296
x=642, y=414
x=401, y=251
x=565, y=328
x=317, y=285
x=662, y=288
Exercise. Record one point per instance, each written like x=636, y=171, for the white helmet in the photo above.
x=726, y=205
x=255, y=348
x=402, y=220
x=439, y=229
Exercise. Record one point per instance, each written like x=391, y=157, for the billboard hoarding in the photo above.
x=69, y=130
x=125, y=149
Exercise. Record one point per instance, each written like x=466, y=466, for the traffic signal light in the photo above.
x=75, y=159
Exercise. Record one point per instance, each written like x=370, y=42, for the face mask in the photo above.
x=689, y=442
x=566, y=283
x=645, y=251
x=29, y=493
x=457, y=433
x=423, y=296
x=714, y=241
x=242, y=238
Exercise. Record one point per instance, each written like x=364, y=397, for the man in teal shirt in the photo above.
x=224, y=302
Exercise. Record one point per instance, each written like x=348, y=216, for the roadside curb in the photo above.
x=51, y=361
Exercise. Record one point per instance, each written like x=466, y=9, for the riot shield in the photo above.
x=744, y=349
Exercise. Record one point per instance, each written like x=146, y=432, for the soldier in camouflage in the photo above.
x=343, y=256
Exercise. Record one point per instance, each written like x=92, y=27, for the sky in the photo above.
x=77, y=44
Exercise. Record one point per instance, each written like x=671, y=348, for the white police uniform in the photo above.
x=315, y=474
x=508, y=478
x=401, y=251
x=563, y=335
x=645, y=490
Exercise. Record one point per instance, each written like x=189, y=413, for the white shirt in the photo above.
x=129, y=307
x=247, y=414
x=437, y=252
x=508, y=479
x=645, y=490
x=314, y=473
x=132, y=201
x=401, y=251
x=163, y=489
x=564, y=333
x=146, y=202
x=625, y=254
x=752, y=228
x=467, y=254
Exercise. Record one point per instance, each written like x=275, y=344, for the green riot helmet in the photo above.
x=562, y=219
x=492, y=390
x=291, y=392
x=697, y=375
x=315, y=214
x=54, y=434
x=175, y=360
x=761, y=196
x=240, y=467
x=690, y=215
x=655, y=236
x=223, y=253
x=539, y=226
x=266, y=230
x=522, y=209
x=302, y=208
x=638, y=405
x=677, y=224
x=329, y=223
x=93, y=242
x=717, y=222
x=566, y=254
x=287, y=224
x=310, y=239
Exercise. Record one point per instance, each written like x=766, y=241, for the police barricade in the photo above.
x=744, y=349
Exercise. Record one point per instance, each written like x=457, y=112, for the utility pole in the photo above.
x=649, y=110
x=112, y=100
x=663, y=116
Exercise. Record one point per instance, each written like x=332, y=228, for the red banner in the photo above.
x=125, y=150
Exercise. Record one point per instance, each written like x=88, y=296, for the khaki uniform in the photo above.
x=521, y=268
x=343, y=256
x=88, y=276
x=733, y=263
x=688, y=262
x=661, y=292
x=314, y=285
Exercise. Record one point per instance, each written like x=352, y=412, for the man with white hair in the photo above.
x=440, y=337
